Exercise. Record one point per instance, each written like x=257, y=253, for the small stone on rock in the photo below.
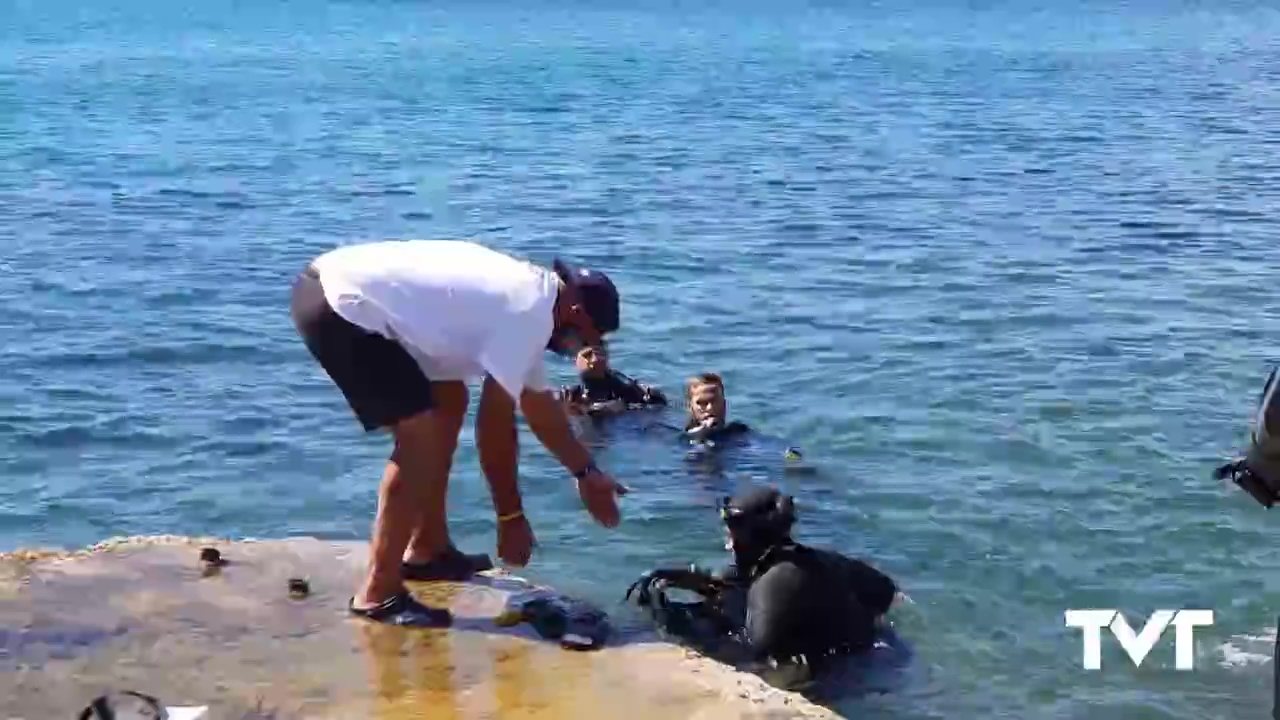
x=299, y=588
x=211, y=556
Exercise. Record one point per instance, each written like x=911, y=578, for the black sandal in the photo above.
x=403, y=610
x=452, y=564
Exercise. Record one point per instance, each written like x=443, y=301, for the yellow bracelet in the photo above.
x=510, y=516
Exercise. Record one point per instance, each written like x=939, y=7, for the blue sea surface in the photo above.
x=1006, y=271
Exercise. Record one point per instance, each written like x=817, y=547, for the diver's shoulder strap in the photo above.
x=632, y=390
x=623, y=378
x=790, y=551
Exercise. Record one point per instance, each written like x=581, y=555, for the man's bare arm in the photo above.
x=497, y=440
x=550, y=424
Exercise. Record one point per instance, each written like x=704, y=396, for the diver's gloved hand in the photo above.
x=691, y=578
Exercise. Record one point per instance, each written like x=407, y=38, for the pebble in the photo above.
x=211, y=556
x=299, y=588
x=211, y=561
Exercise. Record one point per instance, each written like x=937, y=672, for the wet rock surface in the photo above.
x=138, y=614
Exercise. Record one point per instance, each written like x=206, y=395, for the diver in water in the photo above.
x=602, y=389
x=708, y=427
x=801, y=603
x=708, y=412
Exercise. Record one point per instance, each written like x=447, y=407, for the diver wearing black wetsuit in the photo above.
x=612, y=386
x=801, y=602
x=707, y=423
x=601, y=389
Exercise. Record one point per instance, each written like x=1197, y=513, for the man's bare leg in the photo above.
x=431, y=531
x=400, y=498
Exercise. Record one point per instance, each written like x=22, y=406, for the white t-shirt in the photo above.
x=459, y=308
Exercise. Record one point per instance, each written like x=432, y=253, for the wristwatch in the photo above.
x=584, y=472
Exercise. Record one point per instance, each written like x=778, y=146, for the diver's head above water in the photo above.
x=755, y=521
x=707, y=405
x=592, y=361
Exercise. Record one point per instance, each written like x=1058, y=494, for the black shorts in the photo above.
x=381, y=381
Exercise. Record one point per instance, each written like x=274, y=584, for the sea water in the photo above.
x=1006, y=271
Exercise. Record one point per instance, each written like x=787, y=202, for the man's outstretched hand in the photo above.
x=600, y=494
x=516, y=541
x=550, y=424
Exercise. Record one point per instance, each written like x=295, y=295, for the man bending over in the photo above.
x=400, y=326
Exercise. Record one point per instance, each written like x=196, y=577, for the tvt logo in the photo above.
x=1139, y=645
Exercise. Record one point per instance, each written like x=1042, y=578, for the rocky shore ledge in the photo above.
x=145, y=614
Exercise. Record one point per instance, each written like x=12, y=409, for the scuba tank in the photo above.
x=1258, y=472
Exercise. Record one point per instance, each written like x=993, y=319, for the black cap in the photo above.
x=599, y=296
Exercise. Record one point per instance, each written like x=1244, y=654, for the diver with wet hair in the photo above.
x=708, y=429
x=601, y=389
x=779, y=600
x=708, y=411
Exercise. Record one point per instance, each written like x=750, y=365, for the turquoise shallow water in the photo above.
x=1006, y=272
